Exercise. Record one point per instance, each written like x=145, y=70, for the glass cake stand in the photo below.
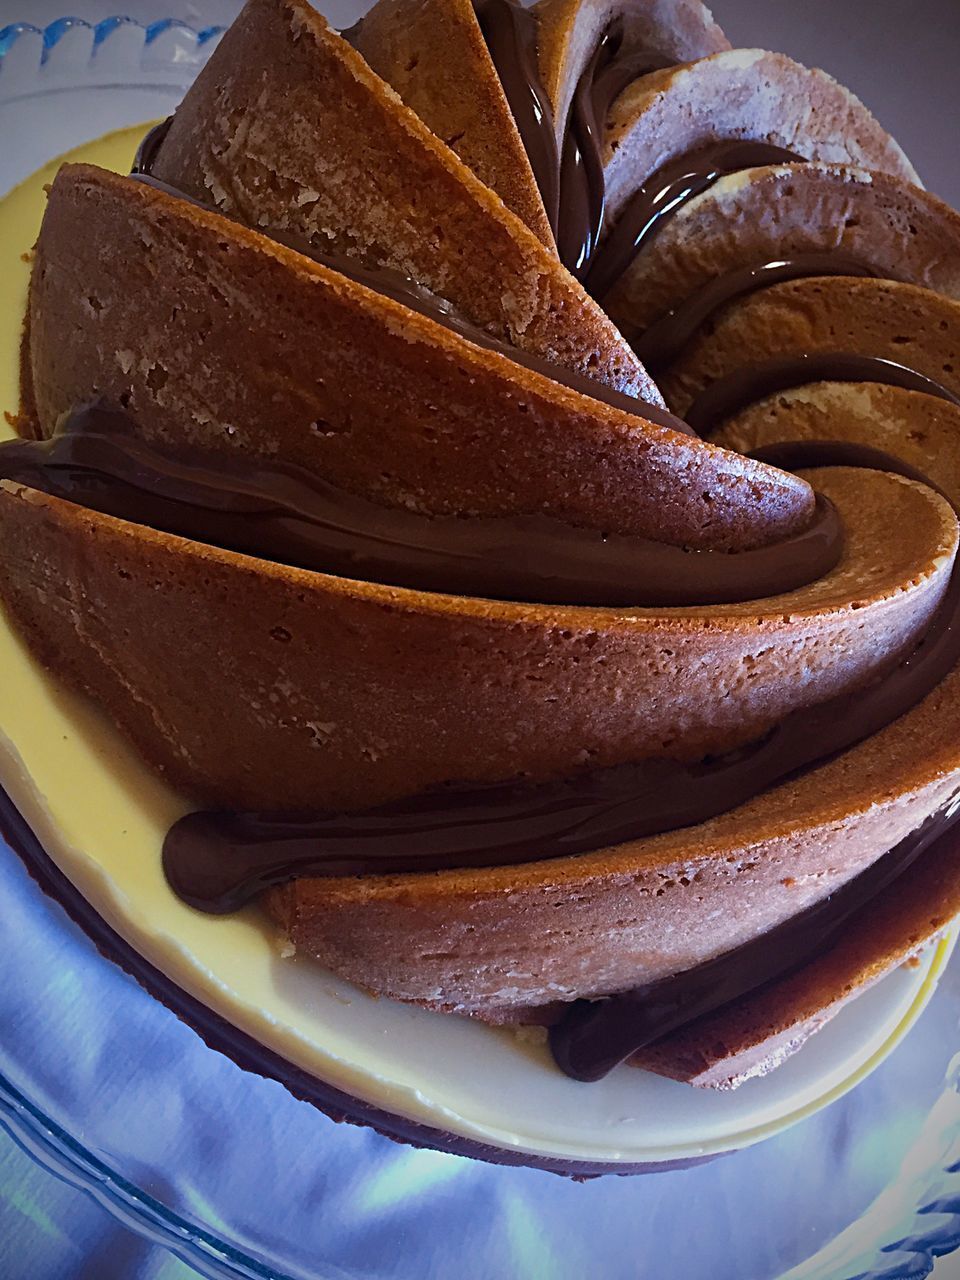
x=109, y=1090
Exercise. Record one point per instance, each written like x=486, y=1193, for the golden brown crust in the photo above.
x=218, y=338
x=757, y=1033
x=569, y=30
x=288, y=127
x=748, y=94
x=433, y=53
x=772, y=213
x=301, y=691
x=898, y=322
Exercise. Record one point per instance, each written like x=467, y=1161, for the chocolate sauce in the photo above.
x=792, y=455
x=666, y=192
x=570, y=178
x=510, y=34
x=582, y=182
x=745, y=386
x=97, y=459
x=400, y=288
x=664, y=340
x=595, y=1036
x=216, y=861
x=149, y=148
x=251, y=1054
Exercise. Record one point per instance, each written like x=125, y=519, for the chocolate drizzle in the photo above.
x=97, y=459
x=664, y=340
x=595, y=1036
x=510, y=34
x=582, y=183
x=149, y=148
x=753, y=382
x=664, y=193
x=570, y=177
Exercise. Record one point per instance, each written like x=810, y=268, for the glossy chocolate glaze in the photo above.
x=97, y=459
x=664, y=193
x=570, y=178
x=149, y=148
x=745, y=386
x=595, y=1036
x=664, y=340
x=582, y=185
x=217, y=861
x=510, y=34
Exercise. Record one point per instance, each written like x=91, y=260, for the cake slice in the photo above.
x=289, y=130
x=434, y=53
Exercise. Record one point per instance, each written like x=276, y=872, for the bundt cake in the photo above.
x=501, y=466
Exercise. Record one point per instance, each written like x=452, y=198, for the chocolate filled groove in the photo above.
x=510, y=34
x=752, y=382
x=582, y=183
x=282, y=513
x=149, y=148
x=662, y=195
x=594, y=1036
x=664, y=340
x=570, y=176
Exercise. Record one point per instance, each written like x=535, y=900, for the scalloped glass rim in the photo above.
x=54, y=32
x=63, y=1156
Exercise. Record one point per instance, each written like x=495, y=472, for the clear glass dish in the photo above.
x=108, y=1089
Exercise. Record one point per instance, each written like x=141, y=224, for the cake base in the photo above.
x=89, y=820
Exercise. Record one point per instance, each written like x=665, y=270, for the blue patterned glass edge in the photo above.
x=877, y=1246
x=53, y=32
x=66, y=1158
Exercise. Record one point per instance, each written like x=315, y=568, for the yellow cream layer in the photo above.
x=101, y=816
